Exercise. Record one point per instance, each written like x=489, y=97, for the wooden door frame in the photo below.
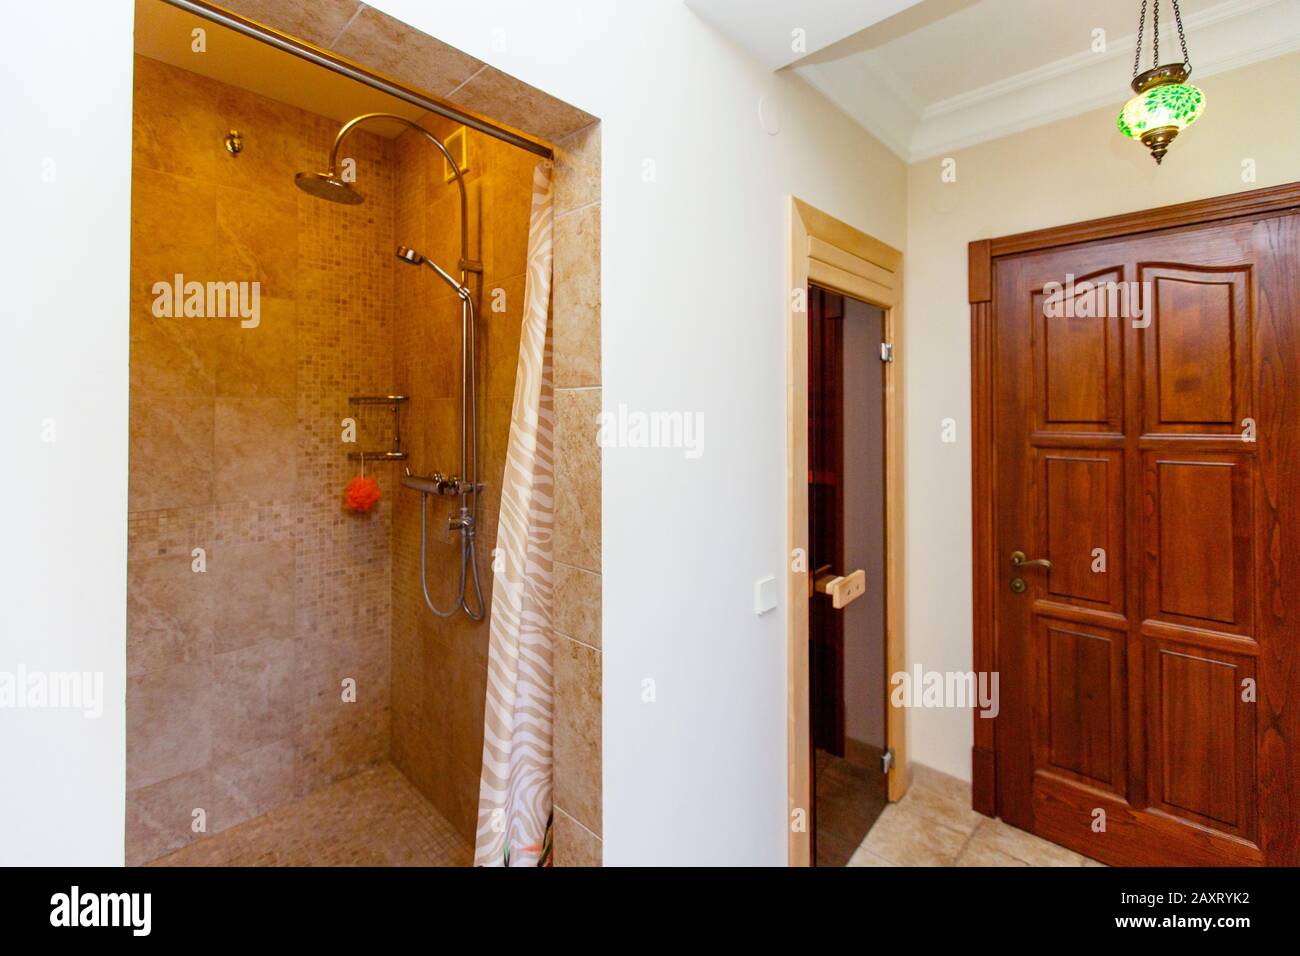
x=982, y=253
x=837, y=257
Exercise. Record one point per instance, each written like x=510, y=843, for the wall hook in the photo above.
x=234, y=143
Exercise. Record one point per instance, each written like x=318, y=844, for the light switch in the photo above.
x=765, y=595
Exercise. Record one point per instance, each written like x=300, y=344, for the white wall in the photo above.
x=66, y=72
x=1077, y=169
x=693, y=305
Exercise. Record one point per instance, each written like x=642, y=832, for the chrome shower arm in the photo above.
x=466, y=264
x=461, y=290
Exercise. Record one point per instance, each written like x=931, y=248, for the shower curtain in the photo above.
x=514, y=813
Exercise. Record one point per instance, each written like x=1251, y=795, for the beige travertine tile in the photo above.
x=253, y=449
x=1035, y=851
x=168, y=722
x=257, y=241
x=171, y=452
x=905, y=838
x=864, y=857
x=258, y=362
x=940, y=806
x=176, y=121
x=573, y=844
x=577, y=478
x=161, y=817
x=252, y=783
x=514, y=103
x=501, y=351
x=173, y=356
x=252, y=697
x=577, y=731
x=577, y=170
x=577, y=604
x=507, y=204
x=173, y=230
x=319, y=21
x=389, y=46
x=980, y=853
x=169, y=613
x=577, y=298
x=374, y=818
x=933, y=781
x=337, y=738
x=261, y=573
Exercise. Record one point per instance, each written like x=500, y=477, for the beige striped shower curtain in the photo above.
x=514, y=808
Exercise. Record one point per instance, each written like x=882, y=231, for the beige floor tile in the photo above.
x=981, y=854
x=1035, y=851
x=864, y=857
x=906, y=838
x=375, y=818
x=941, y=807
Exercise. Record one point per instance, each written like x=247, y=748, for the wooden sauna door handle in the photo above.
x=843, y=590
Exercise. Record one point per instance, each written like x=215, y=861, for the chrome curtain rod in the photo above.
x=345, y=67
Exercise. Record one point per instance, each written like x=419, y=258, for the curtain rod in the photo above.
x=345, y=67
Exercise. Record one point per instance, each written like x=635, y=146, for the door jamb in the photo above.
x=981, y=254
x=838, y=257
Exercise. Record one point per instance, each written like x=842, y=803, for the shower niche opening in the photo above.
x=307, y=677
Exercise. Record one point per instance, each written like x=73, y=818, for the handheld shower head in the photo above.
x=410, y=256
x=328, y=186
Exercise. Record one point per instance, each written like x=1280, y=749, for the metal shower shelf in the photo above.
x=395, y=402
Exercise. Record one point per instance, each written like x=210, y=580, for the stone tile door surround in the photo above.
x=389, y=47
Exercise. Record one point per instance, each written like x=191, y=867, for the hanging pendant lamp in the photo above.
x=1165, y=103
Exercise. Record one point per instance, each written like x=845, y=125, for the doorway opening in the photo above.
x=846, y=537
x=846, y=747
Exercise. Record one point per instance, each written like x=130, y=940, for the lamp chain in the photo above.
x=1155, y=36
x=1182, y=37
x=1142, y=22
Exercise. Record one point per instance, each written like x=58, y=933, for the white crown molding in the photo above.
x=1122, y=49
x=1227, y=36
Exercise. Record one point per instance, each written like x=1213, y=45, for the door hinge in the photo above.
x=886, y=351
x=887, y=761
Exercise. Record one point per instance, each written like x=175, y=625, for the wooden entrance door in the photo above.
x=1141, y=439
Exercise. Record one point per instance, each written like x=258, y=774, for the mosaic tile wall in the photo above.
x=234, y=699
x=209, y=472
x=440, y=665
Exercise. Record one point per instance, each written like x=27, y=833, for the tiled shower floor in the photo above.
x=375, y=818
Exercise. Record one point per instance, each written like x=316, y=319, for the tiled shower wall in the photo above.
x=439, y=665
x=234, y=700
x=577, y=658
x=439, y=682
x=451, y=727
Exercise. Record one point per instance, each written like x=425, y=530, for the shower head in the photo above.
x=328, y=186
x=407, y=254
x=410, y=256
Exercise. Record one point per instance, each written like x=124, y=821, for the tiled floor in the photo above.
x=375, y=818
x=933, y=825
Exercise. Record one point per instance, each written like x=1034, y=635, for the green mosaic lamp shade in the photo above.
x=1176, y=105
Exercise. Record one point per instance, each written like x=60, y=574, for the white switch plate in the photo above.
x=765, y=596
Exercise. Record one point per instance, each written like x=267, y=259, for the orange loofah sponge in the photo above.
x=361, y=493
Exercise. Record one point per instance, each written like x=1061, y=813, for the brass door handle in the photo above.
x=1018, y=560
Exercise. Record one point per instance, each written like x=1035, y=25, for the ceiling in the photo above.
x=938, y=75
x=163, y=32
